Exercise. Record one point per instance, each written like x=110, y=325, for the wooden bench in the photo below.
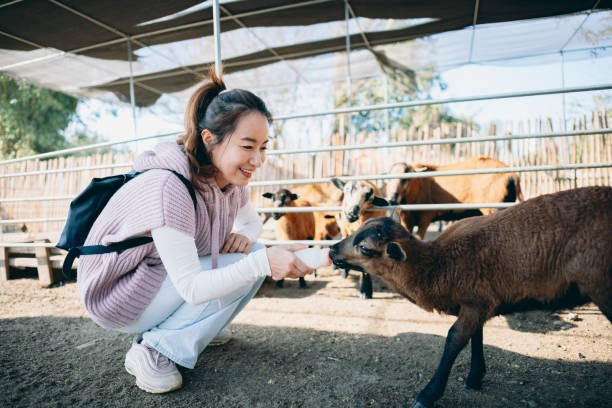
x=48, y=261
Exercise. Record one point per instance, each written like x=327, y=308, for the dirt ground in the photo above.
x=318, y=347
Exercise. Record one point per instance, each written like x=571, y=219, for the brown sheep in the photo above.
x=359, y=196
x=292, y=226
x=550, y=251
x=478, y=188
x=322, y=195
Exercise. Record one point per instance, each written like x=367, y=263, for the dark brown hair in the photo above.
x=219, y=112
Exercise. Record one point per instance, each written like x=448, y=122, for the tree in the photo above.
x=401, y=87
x=32, y=118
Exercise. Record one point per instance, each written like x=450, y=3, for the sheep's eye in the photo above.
x=364, y=250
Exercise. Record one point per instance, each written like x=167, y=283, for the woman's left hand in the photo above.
x=237, y=243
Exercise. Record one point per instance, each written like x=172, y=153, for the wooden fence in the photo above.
x=524, y=152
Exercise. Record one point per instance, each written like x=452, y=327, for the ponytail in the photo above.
x=219, y=113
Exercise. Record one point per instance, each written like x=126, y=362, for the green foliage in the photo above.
x=401, y=87
x=32, y=118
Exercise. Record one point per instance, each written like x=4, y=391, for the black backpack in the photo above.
x=85, y=209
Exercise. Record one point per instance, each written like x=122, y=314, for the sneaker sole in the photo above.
x=214, y=343
x=148, y=388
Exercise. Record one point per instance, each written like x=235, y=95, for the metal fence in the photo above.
x=104, y=169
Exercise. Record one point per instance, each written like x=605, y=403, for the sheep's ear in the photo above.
x=268, y=195
x=395, y=251
x=293, y=196
x=380, y=202
x=395, y=215
x=338, y=183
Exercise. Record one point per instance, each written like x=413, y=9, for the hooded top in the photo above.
x=116, y=287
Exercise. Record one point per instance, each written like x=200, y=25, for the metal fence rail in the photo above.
x=427, y=174
x=363, y=108
x=430, y=174
x=269, y=210
x=344, y=148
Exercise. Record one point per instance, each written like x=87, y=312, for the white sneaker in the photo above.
x=154, y=372
x=224, y=336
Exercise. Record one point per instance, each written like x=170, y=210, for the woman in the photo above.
x=182, y=290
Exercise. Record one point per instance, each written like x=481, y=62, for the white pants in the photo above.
x=179, y=330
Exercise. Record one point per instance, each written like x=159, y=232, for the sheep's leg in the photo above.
x=424, y=221
x=477, y=365
x=365, y=291
x=601, y=297
x=302, y=283
x=279, y=283
x=345, y=273
x=459, y=334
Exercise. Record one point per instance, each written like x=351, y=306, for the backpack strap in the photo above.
x=121, y=246
x=189, y=186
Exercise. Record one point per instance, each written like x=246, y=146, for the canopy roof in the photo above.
x=81, y=47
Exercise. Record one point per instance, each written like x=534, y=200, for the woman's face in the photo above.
x=242, y=152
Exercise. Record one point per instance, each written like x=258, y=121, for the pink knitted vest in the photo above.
x=115, y=288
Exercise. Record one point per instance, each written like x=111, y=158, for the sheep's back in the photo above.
x=533, y=250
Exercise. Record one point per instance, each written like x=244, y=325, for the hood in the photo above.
x=165, y=155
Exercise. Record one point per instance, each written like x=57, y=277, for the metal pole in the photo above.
x=563, y=87
x=386, y=90
x=217, y=33
x=349, y=85
x=132, y=94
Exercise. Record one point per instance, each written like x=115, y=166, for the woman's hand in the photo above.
x=237, y=243
x=284, y=263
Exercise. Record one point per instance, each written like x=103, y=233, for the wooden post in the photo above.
x=4, y=264
x=45, y=270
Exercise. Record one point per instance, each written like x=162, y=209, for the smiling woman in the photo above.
x=181, y=291
x=242, y=152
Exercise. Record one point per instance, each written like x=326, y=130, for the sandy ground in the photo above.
x=318, y=347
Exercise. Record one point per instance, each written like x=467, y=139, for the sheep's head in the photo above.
x=396, y=188
x=282, y=198
x=376, y=245
x=331, y=227
x=393, y=189
x=358, y=196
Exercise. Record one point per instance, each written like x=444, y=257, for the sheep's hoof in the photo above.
x=279, y=283
x=344, y=274
x=364, y=296
x=419, y=405
x=302, y=284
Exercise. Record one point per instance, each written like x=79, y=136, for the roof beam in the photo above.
x=474, y=21
x=580, y=26
x=10, y=2
x=113, y=30
x=23, y=40
x=172, y=29
x=363, y=36
x=270, y=49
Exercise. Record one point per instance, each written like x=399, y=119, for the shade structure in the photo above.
x=80, y=47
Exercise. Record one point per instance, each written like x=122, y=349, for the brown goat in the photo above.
x=292, y=226
x=359, y=196
x=478, y=188
x=550, y=251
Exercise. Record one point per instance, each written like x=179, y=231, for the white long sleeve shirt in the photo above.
x=178, y=252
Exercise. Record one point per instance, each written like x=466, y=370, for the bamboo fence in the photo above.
x=522, y=152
